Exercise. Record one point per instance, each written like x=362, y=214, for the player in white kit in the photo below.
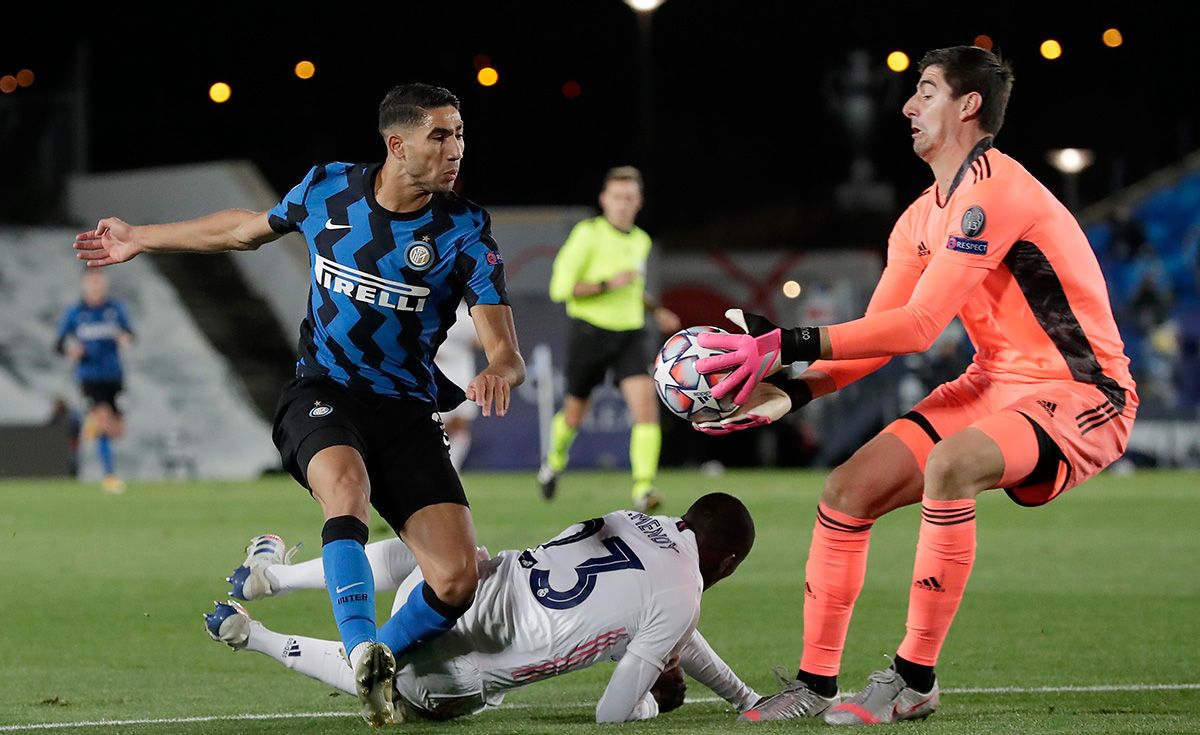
x=624, y=587
x=456, y=359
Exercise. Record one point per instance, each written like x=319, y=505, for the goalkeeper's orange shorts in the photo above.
x=1053, y=434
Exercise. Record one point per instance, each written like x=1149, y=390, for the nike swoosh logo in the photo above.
x=897, y=711
x=329, y=225
x=340, y=590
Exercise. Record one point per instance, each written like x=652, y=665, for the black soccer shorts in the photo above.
x=592, y=352
x=401, y=441
x=102, y=393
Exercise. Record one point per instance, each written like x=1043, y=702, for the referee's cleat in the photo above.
x=228, y=623
x=548, y=480
x=374, y=679
x=886, y=699
x=648, y=501
x=250, y=581
x=796, y=700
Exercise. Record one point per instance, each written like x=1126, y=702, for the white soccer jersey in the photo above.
x=456, y=355
x=624, y=584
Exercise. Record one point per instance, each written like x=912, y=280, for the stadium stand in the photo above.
x=183, y=403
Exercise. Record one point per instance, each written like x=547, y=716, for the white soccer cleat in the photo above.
x=374, y=680
x=886, y=699
x=250, y=581
x=228, y=623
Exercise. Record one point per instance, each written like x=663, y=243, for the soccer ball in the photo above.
x=686, y=392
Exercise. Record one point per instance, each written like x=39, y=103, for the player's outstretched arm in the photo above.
x=702, y=663
x=506, y=368
x=116, y=241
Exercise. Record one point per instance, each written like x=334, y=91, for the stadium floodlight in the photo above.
x=1071, y=161
x=644, y=6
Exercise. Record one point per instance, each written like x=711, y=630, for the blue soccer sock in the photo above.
x=348, y=579
x=104, y=449
x=422, y=617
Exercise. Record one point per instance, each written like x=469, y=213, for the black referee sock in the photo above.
x=916, y=676
x=826, y=686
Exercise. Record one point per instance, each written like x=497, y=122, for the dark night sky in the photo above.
x=742, y=127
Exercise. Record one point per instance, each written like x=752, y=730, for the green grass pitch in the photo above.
x=101, y=596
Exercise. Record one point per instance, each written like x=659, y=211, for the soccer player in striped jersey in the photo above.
x=1047, y=402
x=625, y=586
x=392, y=252
x=91, y=333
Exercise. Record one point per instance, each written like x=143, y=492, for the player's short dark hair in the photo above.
x=623, y=173
x=973, y=69
x=408, y=105
x=723, y=522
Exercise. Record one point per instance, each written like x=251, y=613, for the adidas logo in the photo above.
x=291, y=648
x=922, y=251
x=1049, y=406
x=929, y=583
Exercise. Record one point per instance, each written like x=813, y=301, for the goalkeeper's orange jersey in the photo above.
x=1009, y=259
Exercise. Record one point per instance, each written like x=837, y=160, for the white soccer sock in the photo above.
x=315, y=658
x=390, y=561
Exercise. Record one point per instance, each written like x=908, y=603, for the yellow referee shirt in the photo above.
x=596, y=251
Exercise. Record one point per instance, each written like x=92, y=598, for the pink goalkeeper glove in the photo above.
x=730, y=425
x=762, y=350
x=753, y=356
x=769, y=403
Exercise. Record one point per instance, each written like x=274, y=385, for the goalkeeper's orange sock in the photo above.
x=945, y=555
x=837, y=564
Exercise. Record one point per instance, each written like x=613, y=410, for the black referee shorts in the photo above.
x=592, y=352
x=401, y=441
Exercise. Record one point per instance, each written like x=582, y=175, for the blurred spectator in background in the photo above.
x=61, y=414
x=600, y=273
x=91, y=334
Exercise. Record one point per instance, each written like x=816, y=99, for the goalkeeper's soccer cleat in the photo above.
x=374, y=679
x=250, y=580
x=794, y=701
x=548, y=481
x=886, y=699
x=228, y=623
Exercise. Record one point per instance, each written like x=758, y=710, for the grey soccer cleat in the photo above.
x=886, y=699
x=374, y=679
x=794, y=701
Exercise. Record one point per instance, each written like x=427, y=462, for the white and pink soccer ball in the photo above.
x=684, y=391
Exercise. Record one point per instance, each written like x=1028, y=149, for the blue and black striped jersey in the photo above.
x=96, y=328
x=384, y=285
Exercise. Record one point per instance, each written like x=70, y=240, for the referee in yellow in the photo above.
x=600, y=273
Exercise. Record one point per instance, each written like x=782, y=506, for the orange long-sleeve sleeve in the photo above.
x=939, y=293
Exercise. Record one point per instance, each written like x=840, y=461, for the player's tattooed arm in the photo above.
x=116, y=241
x=506, y=368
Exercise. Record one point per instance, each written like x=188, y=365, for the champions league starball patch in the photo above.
x=419, y=256
x=973, y=221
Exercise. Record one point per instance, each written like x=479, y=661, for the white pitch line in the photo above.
x=697, y=700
